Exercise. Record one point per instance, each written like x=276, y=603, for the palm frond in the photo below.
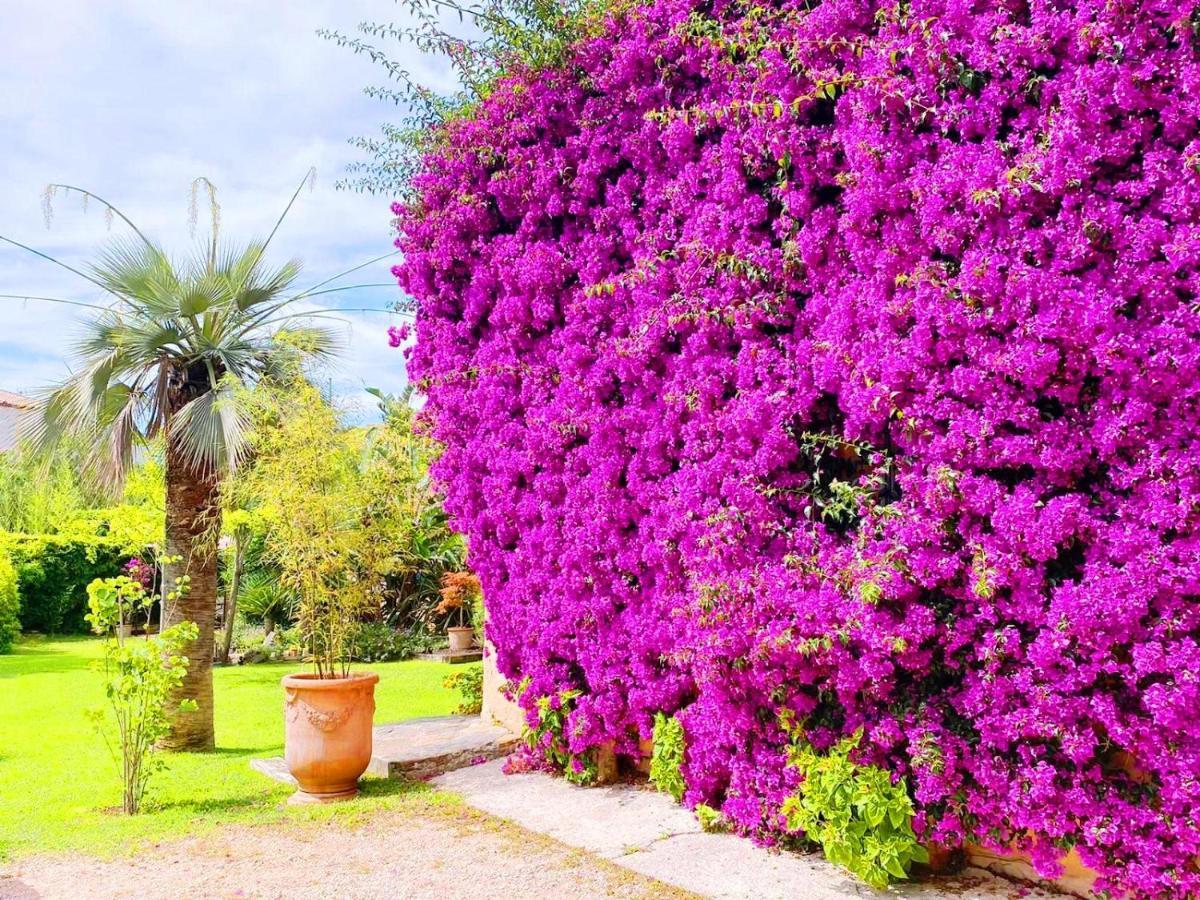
x=212, y=430
x=150, y=339
x=94, y=405
x=198, y=295
x=264, y=285
x=111, y=454
x=262, y=596
x=315, y=341
x=100, y=337
x=140, y=273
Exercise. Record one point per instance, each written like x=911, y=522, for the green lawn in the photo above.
x=59, y=786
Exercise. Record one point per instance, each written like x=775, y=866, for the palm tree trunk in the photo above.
x=192, y=527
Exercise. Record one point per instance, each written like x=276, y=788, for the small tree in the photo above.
x=416, y=546
x=140, y=675
x=239, y=528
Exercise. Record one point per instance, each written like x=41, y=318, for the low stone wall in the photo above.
x=1076, y=878
x=496, y=705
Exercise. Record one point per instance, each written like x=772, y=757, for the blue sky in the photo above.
x=133, y=99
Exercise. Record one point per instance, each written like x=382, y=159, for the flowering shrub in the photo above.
x=139, y=677
x=548, y=740
x=840, y=358
x=140, y=571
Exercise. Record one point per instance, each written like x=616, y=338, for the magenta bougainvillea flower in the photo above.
x=140, y=571
x=843, y=357
x=397, y=335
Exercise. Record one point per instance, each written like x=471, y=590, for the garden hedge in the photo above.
x=53, y=574
x=10, y=606
x=840, y=359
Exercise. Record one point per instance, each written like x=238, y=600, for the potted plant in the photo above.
x=304, y=482
x=328, y=717
x=459, y=593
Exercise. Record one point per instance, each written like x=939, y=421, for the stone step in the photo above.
x=454, y=657
x=273, y=767
x=421, y=748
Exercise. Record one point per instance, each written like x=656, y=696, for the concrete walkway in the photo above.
x=644, y=831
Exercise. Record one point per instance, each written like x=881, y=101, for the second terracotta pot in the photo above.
x=327, y=734
x=462, y=637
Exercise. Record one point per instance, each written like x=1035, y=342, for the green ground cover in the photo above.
x=59, y=789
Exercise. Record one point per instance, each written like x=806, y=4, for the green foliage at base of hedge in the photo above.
x=859, y=814
x=667, y=759
x=53, y=573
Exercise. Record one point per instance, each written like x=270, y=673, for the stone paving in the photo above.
x=644, y=831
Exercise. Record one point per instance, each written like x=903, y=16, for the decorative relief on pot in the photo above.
x=322, y=720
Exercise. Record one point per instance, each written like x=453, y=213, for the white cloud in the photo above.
x=133, y=99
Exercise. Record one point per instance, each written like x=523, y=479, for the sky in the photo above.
x=135, y=99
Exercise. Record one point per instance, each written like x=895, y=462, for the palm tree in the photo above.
x=168, y=355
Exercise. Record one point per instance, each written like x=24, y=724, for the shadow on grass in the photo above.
x=273, y=750
x=33, y=657
x=209, y=806
x=392, y=787
x=369, y=789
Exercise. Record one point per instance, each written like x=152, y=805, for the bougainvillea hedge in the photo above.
x=843, y=357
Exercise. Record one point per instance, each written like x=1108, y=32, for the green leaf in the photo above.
x=893, y=867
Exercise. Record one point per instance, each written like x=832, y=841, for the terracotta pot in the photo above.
x=328, y=738
x=462, y=638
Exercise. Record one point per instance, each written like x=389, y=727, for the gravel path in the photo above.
x=450, y=853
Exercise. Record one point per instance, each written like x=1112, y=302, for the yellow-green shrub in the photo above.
x=10, y=605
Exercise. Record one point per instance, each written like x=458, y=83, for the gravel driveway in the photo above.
x=450, y=853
